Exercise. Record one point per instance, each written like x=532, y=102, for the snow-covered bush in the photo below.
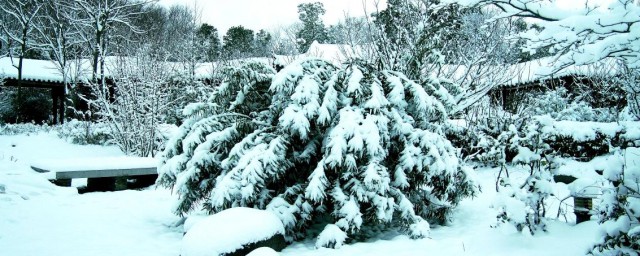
x=347, y=149
x=528, y=208
x=84, y=132
x=619, y=211
x=537, y=146
x=561, y=106
x=23, y=128
x=579, y=140
x=211, y=129
x=630, y=80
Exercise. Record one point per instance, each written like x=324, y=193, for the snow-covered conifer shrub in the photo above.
x=184, y=89
x=192, y=159
x=346, y=149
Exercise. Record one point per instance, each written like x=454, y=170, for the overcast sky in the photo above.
x=268, y=14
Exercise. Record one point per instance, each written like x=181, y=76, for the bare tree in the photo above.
x=351, y=31
x=97, y=20
x=424, y=38
x=18, y=28
x=589, y=34
x=284, y=39
x=60, y=38
x=141, y=99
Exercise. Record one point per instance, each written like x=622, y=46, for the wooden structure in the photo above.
x=537, y=77
x=37, y=74
x=58, y=94
x=103, y=178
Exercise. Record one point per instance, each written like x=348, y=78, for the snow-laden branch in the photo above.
x=581, y=36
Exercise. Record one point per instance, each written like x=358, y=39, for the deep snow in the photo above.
x=38, y=218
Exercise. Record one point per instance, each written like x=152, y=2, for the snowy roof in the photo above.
x=80, y=69
x=521, y=73
x=32, y=70
x=542, y=69
x=511, y=76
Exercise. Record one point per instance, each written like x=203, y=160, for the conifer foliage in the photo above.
x=345, y=148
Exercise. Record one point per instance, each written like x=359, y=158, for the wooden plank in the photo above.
x=105, y=173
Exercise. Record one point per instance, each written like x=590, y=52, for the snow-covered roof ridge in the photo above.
x=80, y=69
x=510, y=76
x=32, y=70
x=543, y=69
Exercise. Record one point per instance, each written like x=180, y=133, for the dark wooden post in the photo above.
x=582, y=207
x=54, y=110
x=61, y=95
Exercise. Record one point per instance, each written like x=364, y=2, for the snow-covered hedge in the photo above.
x=579, y=140
x=84, y=132
x=349, y=148
x=23, y=128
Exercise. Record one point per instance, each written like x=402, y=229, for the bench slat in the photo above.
x=105, y=173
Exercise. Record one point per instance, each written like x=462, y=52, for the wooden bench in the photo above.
x=101, y=173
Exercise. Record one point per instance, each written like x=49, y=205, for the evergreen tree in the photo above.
x=217, y=125
x=312, y=26
x=208, y=42
x=351, y=149
x=238, y=42
x=263, y=44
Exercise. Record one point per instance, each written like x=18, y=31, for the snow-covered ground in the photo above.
x=38, y=218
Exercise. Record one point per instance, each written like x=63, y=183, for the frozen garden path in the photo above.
x=38, y=218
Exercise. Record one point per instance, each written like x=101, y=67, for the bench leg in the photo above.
x=101, y=184
x=62, y=182
x=142, y=181
x=582, y=217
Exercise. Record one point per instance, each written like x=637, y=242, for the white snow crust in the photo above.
x=229, y=230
